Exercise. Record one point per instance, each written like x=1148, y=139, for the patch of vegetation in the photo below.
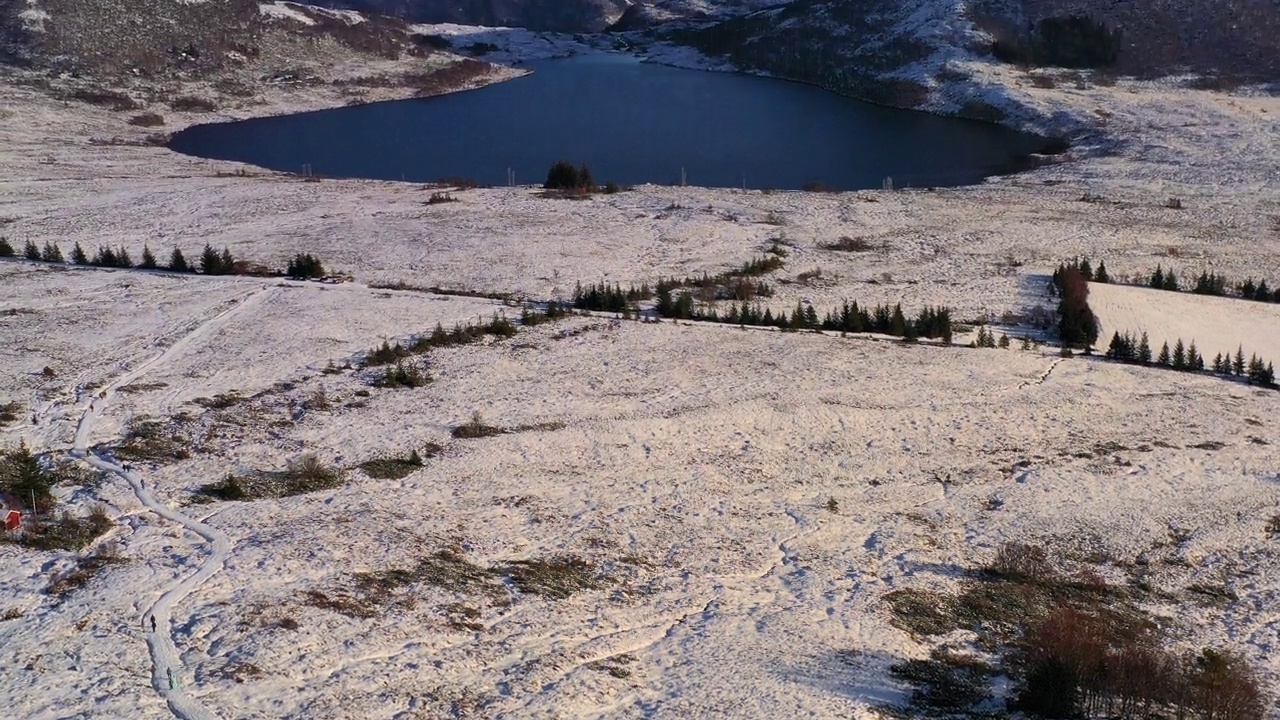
x=849, y=244
x=222, y=401
x=402, y=375
x=306, y=473
x=6, y=249
x=10, y=412
x=395, y=468
x=152, y=440
x=946, y=681
x=438, y=198
x=192, y=103
x=147, y=120
x=556, y=578
x=1073, y=646
x=476, y=427
x=64, y=583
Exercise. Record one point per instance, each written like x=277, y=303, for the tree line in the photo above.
x=210, y=262
x=1126, y=348
x=1077, y=325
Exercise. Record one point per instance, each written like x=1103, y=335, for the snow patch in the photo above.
x=285, y=11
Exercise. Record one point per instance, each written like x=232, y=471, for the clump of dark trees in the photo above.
x=1073, y=41
x=210, y=262
x=1187, y=358
x=1077, y=325
x=564, y=175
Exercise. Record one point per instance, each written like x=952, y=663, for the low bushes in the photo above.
x=304, y=474
x=395, y=468
x=476, y=427
x=1073, y=646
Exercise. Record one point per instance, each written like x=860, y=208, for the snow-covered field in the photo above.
x=1216, y=324
x=692, y=466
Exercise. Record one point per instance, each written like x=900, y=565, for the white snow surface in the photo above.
x=690, y=464
x=1216, y=324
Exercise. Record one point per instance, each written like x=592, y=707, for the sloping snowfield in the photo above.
x=1216, y=324
x=720, y=512
x=692, y=465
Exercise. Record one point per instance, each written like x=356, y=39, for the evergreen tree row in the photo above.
x=1187, y=358
x=462, y=334
x=987, y=339
x=211, y=262
x=606, y=298
x=930, y=322
x=1211, y=283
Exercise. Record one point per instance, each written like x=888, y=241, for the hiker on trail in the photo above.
x=153, y=623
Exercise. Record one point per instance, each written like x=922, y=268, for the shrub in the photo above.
x=849, y=244
x=476, y=428
x=86, y=567
x=1023, y=562
x=441, y=197
x=191, y=103
x=305, y=266
x=392, y=468
x=147, y=120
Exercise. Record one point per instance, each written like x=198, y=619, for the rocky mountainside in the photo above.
x=543, y=15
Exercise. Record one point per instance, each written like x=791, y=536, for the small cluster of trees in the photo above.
x=564, y=176
x=606, y=298
x=1077, y=325
x=987, y=339
x=1126, y=348
x=305, y=266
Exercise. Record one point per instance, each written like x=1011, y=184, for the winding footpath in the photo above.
x=165, y=658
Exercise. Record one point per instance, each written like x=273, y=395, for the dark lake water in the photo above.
x=632, y=123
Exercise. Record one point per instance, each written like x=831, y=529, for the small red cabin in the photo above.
x=12, y=520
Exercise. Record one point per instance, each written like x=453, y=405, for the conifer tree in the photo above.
x=1085, y=269
x=210, y=262
x=30, y=251
x=177, y=262
x=122, y=258
x=51, y=253
x=1170, y=281
x=1163, y=358
x=1217, y=363
x=1100, y=275
x=226, y=264
x=6, y=250
x=77, y=255
x=1179, y=356
x=1157, y=278
x=148, y=258
x=1144, y=350
x=1004, y=340
x=1195, y=362
x=106, y=257
x=1237, y=368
